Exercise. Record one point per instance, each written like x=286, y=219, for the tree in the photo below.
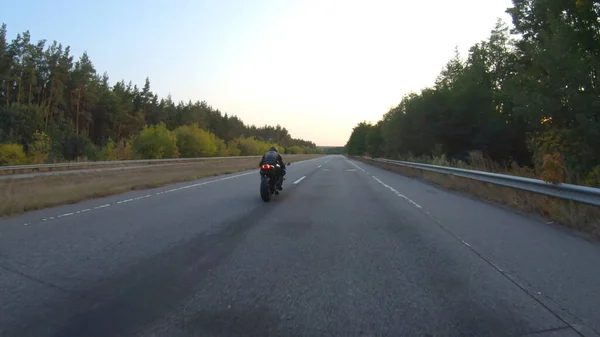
x=533, y=100
x=357, y=144
x=43, y=89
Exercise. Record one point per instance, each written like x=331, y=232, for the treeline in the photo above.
x=531, y=101
x=333, y=149
x=55, y=108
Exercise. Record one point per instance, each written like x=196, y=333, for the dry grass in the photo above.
x=581, y=217
x=477, y=161
x=64, y=168
x=90, y=165
x=21, y=195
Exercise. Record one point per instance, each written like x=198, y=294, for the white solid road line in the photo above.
x=299, y=180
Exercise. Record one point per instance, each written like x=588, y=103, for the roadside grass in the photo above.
x=91, y=165
x=64, y=168
x=578, y=216
x=27, y=194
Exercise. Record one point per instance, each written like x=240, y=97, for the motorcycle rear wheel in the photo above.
x=265, y=192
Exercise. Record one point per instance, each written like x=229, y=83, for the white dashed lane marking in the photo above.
x=396, y=192
x=358, y=167
x=299, y=180
x=419, y=206
x=139, y=198
x=159, y=193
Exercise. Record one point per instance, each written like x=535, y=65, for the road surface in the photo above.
x=347, y=249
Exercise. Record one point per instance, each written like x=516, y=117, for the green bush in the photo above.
x=192, y=141
x=155, y=142
x=109, y=151
x=233, y=148
x=593, y=178
x=251, y=147
x=12, y=154
x=248, y=147
x=220, y=146
x=40, y=148
x=294, y=150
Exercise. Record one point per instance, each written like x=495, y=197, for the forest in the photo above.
x=55, y=107
x=526, y=100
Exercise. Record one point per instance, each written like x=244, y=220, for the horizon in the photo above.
x=258, y=62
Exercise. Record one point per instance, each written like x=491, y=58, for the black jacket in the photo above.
x=272, y=158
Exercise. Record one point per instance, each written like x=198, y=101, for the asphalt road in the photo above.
x=347, y=250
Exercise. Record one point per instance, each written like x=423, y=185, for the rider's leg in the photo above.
x=280, y=180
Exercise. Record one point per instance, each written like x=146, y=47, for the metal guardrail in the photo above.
x=117, y=162
x=123, y=162
x=583, y=194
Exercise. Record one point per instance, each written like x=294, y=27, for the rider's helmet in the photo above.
x=273, y=148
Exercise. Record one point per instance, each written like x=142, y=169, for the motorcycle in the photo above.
x=268, y=184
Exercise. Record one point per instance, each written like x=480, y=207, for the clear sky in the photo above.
x=317, y=67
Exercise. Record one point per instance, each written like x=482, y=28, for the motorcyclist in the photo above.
x=273, y=157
